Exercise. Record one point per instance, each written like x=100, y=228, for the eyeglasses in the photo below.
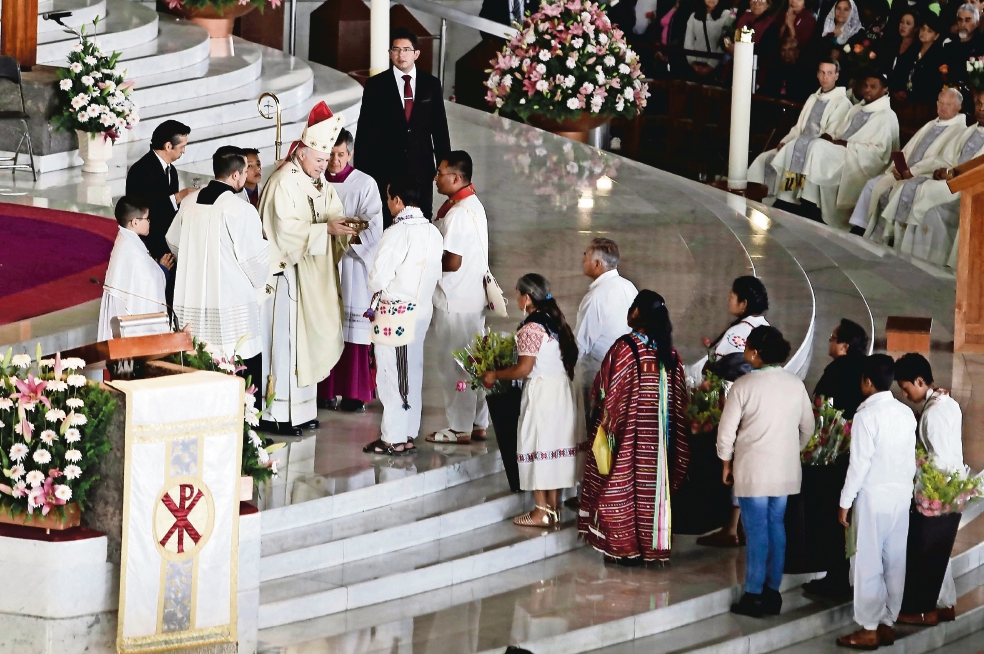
x=402, y=50
x=440, y=174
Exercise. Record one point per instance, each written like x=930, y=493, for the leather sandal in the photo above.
x=527, y=519
x=450, y=437
x=860, y=639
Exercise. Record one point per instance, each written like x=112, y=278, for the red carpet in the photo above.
x=48, y=259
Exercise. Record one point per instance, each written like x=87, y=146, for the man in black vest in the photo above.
x=154, y=180
x=402, y=126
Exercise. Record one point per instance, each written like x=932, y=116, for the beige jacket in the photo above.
x=766, y=421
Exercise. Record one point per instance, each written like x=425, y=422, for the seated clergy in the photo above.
x=923, y=154
x=925, y=219
x=840, y=162
x=823, y=110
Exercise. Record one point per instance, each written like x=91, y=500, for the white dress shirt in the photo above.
x=466, y=233
x=941, y=430
x=174, y=200
x=408, y=262
x=400, y=81
x=602, y=318
x=883, y=451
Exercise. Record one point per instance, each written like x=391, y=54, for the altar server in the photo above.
x=879, y=486
x=821, y=113
x=840, y=162
x=924, y=153
x=302, y=325
x=940, y=432
x=459, y=299
x=407, y=267
x=350, y=384
x=603, y=313
x=223, y=261
x=134, y=281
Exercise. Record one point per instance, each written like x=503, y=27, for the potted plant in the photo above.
x=568, y=70
x=495, y=351
x=216, y=16
x=52, y=434
x=95, y=102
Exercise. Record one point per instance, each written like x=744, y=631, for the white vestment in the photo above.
x=134, y=283
x=924, y=153
x=602, y=317
x=223, y=262
x=820, y=114
x=836, y=174
x=459, y=308
x=407, y=267
x=360, y=198
x=879, y=486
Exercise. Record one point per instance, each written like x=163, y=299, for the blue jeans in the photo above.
x=765, y=537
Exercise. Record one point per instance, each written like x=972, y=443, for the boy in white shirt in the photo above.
x=879, y=486
x=940, y=432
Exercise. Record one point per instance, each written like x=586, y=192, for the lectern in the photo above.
x=968, y=324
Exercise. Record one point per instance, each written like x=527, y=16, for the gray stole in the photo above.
x=909, y=188
x=859, y=121
x=797, y=160
x=926, y=141
x=970, y=148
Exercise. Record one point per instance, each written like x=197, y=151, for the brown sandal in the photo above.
x=527, y=520
x=479, y=434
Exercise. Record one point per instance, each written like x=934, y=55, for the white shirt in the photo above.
x=174, y=201
x=408, y=262
x=602, y=318
x=883, y=451
x=134, y=283
x=400, y=82
x=465, y=229
x=941, y=430
x=734, y=339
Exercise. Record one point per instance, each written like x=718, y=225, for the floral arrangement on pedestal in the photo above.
x=221, y=6
x=568, y=60
x=975, y=73
x=860, y=58
x=488, y=351
x=831, y=435
x=256, y=450
x=706, y=404
x=52, y=433
x=94, y=91
x=939, y=491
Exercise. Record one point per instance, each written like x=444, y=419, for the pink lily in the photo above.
x=31, y=390
x=43, y=497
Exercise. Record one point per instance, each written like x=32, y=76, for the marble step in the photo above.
x=452, y=560
x=179, y=44
x=83, y=11
x=450, y=512
x=126, y=25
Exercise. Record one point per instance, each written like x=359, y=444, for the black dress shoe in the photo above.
x=750, y=605
x=279, y=428
x=857, y=231
x=314, y=424
x=352, y=406
x=771, y=601
x=328, y=405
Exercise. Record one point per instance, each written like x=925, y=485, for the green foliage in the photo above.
x=831, y=435
x=939, y=491
x=488, y=351
x=706, y=404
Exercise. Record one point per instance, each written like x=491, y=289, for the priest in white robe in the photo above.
x=822, y=111
x=923, y=154
x=839, y=163
x=134, y=281
x=351, y=385
x=303, y=218
x=223, y=264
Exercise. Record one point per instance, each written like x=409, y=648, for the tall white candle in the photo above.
x=379, y=28
x=741, y=104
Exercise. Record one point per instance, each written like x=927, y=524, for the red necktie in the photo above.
x=407, y=97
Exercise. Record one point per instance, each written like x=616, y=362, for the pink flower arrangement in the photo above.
x=220, y=4
x=939, y=491
x=566, y=60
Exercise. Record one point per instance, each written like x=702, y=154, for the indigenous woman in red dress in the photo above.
x=641, y=395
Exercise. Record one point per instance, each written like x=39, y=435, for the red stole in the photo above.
x=466, y=192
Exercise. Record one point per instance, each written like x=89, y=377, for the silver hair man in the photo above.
x=606, y=251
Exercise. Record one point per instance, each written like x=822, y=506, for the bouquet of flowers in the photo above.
x=975, y=73
x=706, y=403
x=939, y=491
x=52, y=433
x=219, y=5
x=95, y=96
x=568, y=58
x=488, y=351
x=256, y=450
x=831, y=435
x=860, y=58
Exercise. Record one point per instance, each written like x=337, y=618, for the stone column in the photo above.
x=379, y=43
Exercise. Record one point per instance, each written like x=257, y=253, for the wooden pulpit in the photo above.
x=968, y=324
x=19, y=31
x=135, y=347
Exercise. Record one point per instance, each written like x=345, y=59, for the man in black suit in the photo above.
x=402, y=126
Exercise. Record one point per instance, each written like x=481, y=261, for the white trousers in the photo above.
x=292, y=404
x=454, y=331
x=878, y=566
x=399, y=423
x=948, y=592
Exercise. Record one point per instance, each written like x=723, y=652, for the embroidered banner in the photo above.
x=181, y=513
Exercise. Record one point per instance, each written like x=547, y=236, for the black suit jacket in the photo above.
x=147, y=181
x=386, y=143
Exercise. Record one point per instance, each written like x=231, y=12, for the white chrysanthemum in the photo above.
x=92, y=61
x=73, y=435
x=21, y=360
x=6, y=403
x=541, y=68
x=47, y=363
x=255, y=439
x=601, y=78
x=76, y=380
x=507, y=81
x=620, y=104
x=19, y=428
x=54, y=415
x=80, y=101
x=263, y=455
x=35, y=478
x=624, y=69
x=56, y=386
x=74, y=403
x=544, y=55
x=65, y=84
x=29, y=406
x=16, y=472
x=571, y=63
x=73, y=363
x=77, y=47
x=73, y=455
x=609, y=60
x=252, y=419
x=88, y=80
x=73, y=472
x=76, y=67
x=499, y=102
x=273, y=467
x=19, y=490
x=522, y=101
x=228, y=367
x=572, y=103
x=530, y=37
x=577, y=43
x=18, y=451
x=107, y=120
x=78, y=419
x=96, y=74
x=571, y=167
x=569, y=82
x=543, y=86
x=603, y=40
x=63, y=492
x=596, y=103
x=42, y=457
x=628, y=94
x=49, y=436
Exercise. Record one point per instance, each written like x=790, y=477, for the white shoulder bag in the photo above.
x=495, y=302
